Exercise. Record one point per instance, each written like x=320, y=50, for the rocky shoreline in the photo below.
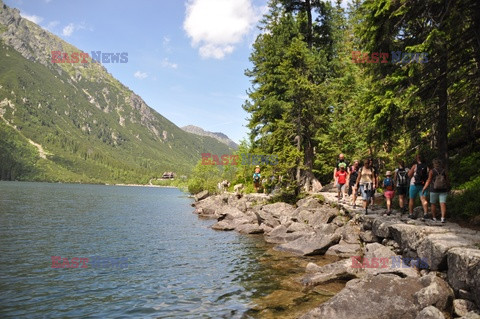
x=402, y=269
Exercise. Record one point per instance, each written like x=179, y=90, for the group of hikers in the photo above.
x=431, y=184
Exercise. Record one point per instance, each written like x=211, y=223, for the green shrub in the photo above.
x=465, y=204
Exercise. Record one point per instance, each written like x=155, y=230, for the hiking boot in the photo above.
x=443, y=220
x=411, y=216
x=434, y=219
x=354, y=206
x=422, y=219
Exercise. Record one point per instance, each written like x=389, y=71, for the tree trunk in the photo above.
x=308, y=8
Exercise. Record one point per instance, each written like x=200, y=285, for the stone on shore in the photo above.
x=202, y=195
x=375, y=296
x=316, y=244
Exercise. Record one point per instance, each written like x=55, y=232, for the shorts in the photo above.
x=435, y=197
x=366, y=193
x=416, y=190
x=389, y=194
x=402, y=190
x=341, y=187
x=350, y=189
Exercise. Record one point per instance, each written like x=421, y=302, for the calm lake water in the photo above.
x=177, y=266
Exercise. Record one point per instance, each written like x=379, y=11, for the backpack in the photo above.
x=440, y=180
x=421, y=174
x=256, y=177
x=388, y=183
x=402, y=179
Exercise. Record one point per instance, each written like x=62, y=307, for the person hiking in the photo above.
x=439, y=185
x=341, y=180
x=352, y=190
x=256, y=178
x=389, y=191
x=400, y=179
x=418, y=176
x=367, y=182
x=341, y=159
x=375, y=177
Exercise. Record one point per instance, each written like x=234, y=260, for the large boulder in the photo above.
x=434, y=248
x=280, y=235
x=374, y=296
x=315, y=244
x=202, y=195
x=464, y=271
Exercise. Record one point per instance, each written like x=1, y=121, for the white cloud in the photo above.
x=167, y=64
x=140, y=75
x=216, y=26
x=68, y=30
x=33, y=18
x=51, y=25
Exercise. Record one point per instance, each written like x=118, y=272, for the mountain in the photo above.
x=74, y=122
x=216, y=135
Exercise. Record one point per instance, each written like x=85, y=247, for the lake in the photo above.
x=177, y=266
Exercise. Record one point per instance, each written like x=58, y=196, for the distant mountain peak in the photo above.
x=221, y=137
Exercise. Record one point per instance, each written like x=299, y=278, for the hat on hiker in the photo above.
x=388, y=173
x=342, y=165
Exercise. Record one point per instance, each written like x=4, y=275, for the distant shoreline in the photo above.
x=103, y=184
x=140, y=185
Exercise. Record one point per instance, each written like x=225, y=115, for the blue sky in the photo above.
x=186, y=59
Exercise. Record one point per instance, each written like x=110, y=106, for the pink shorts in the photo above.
x=389, y=194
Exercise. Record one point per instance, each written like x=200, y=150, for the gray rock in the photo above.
x=295, y=227
x=310, y=245
x=381, y=296
x=464, y=270
x=368, y=237
x=430, y=312
x=462, y=307
x=350, y=233
x=317, y=275
x=279, y=235
x=309, y=203
x=344, y=249
x=278, y=210
x=434, y=248
x=436, y=293
x=249, y=229
x=202, y=195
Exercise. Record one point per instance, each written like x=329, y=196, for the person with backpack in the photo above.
x=256, y=178
x=352, y=190
x=341, y=180
x=366, y=180
x=439, y=185
x=400, y=179
x=375, y=176
x=389, y=191
x=418, y=176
